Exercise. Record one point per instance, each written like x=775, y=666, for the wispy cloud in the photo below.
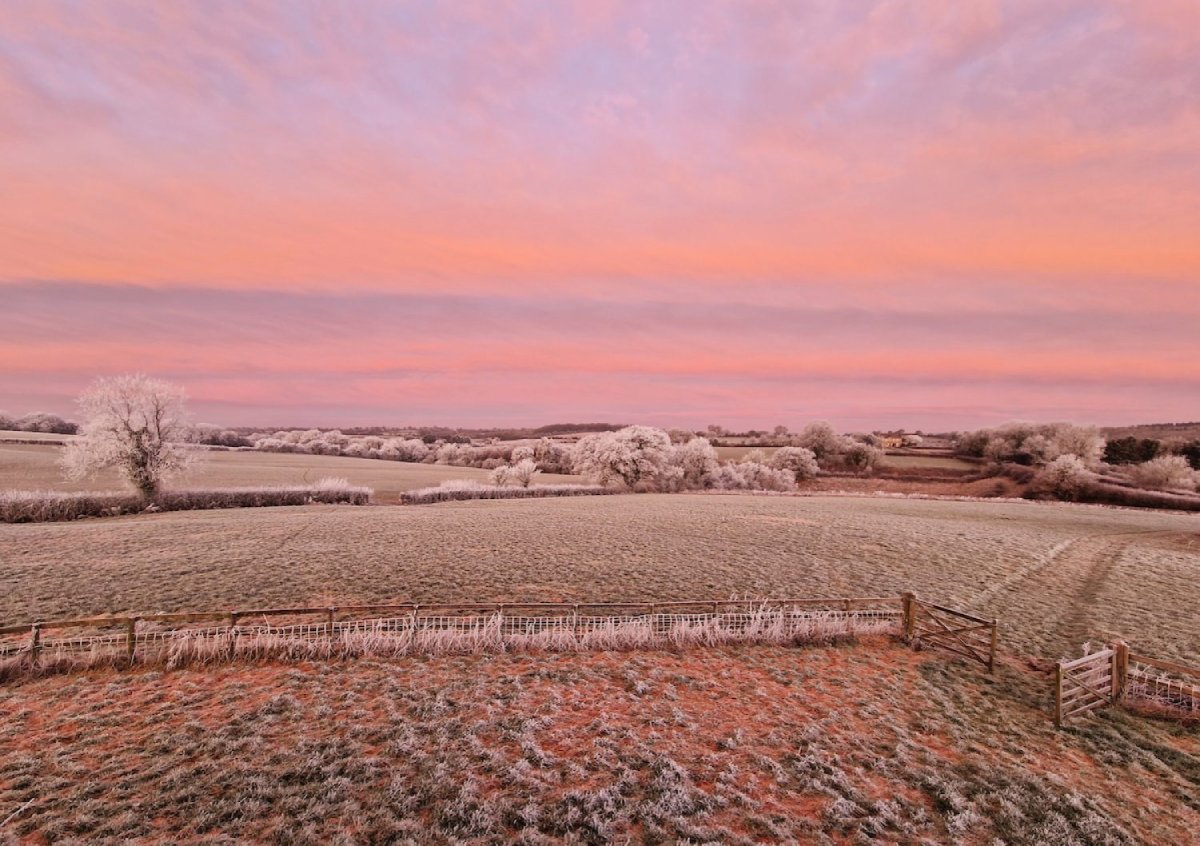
x=1004, y=192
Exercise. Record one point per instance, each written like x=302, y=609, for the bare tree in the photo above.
x=136, y=424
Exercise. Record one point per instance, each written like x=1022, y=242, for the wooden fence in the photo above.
x=939, y=627
x=1117, y=676
x=403, y=628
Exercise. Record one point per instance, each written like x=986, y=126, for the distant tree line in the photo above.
x=39, y=421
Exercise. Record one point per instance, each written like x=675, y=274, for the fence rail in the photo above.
x=408, y=627
x=412, y=627
x=1116, y=676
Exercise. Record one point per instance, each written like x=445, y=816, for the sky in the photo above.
x=886, y=213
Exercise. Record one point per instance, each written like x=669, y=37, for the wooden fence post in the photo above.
x=35, y=643
x=908, y=598
x=1120, y=669
x=130, y=639
x=233, y=633
x=1058, y=680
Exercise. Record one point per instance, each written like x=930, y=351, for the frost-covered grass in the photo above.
x=32, y=467
x=727, y=745
x=458, y=490
x=51, y=506
x=644, y=547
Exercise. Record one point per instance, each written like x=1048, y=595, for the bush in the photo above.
x=49, y=506
x=1169, y=472
x=517, y=475
x=1033, y=443
x=862, y=457
x=1064, y=478
x=821, y=438
x=696, y=460
x=801, y=462
x=458, y=490
x=210, y=435
x=751, y=476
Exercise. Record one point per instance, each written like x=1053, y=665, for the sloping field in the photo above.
x=34, y=467
x=866, y=744
x=1056, y=575
x=15, y=435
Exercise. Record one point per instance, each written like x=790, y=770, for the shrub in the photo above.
x=519, y=475
x=696, y=460
x=1065, y=478
x=801, y=462
x=460, y=489
x=210, y=435
x=751, y=476
x=48, y=506
x=862, y=457
x=1168, y=472
x=1033, y=444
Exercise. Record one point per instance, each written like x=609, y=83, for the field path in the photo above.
x=1054, y=599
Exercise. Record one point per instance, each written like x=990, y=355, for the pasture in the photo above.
x=34, y=467
x=1056, y=575
x=857, y=744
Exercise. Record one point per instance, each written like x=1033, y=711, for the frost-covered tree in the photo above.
x=636, y=455
x=801, y=462
x=136, y=424
x=822, y=439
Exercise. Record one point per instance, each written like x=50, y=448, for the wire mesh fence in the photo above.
x=164, y=639
x=1153, y=686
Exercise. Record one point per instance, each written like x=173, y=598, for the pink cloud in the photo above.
x=958, y=157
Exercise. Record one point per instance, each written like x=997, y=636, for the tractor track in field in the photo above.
x=1061, y=589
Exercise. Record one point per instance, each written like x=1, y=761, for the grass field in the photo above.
x=31, y=466
x=847, y=744
x=937, y=462
x=1056, y=574
x=11, y=435
x=856, y=744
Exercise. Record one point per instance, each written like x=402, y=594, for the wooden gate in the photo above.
x=1085, y=684
x=927, y=624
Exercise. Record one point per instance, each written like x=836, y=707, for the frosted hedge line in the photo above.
x=49, y=506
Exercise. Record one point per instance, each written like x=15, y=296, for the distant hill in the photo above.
x=1158, y=431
